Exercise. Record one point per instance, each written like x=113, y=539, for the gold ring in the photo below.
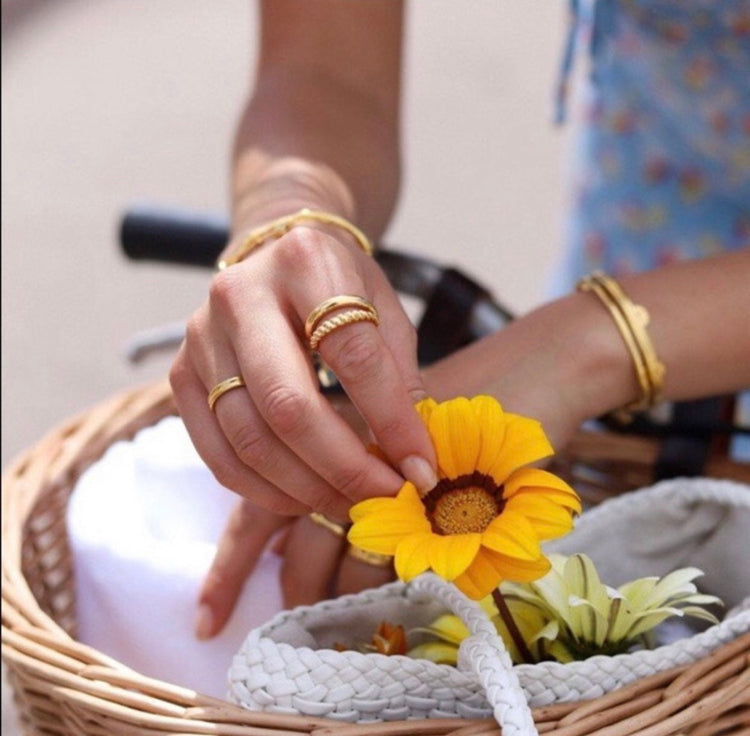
x=222, y=387
x=340, y=320
x=331, y=305
x=369, y=558
x=338, y=529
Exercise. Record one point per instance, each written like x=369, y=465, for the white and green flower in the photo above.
x=570, y=614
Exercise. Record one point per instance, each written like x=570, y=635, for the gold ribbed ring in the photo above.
x=331, y=305
x=222, y=387
x=341, y=320
x=369, y=558
x=334, y=527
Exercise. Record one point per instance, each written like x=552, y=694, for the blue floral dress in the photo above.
x=662, y=168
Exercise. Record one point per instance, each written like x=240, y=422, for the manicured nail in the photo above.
x=204, y=622
x=417, y=470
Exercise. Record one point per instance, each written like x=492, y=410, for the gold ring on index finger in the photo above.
x=331, y=305
x=351, y=316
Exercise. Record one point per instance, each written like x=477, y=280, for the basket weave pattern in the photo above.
x=65, y=688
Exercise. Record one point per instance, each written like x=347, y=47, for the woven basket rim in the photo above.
x=62, y=686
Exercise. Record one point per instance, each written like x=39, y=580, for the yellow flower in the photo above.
x=484, y=520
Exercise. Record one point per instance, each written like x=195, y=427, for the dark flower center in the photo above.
x=464, y=505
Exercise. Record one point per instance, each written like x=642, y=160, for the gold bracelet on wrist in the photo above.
x=282, y=225
x=632, y=322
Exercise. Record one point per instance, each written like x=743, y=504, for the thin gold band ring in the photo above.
x=222, y=387
x=369, y=558
x=334, y=527
x=331, y=305
x=341, y=320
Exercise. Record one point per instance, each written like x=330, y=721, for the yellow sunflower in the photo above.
x=484, y=520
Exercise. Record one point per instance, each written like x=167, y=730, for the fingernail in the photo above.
x=417, y=470
x=204, y=622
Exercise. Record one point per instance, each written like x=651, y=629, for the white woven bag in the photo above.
x=289, y=664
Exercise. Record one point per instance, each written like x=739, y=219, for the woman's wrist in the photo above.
x=564, y=362
x=599, y=368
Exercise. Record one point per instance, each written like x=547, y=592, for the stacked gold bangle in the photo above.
x=282, y=225
x=632, y=321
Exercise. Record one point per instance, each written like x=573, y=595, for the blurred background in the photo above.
x=109, y=104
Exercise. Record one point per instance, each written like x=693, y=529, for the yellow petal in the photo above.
x=520, y=571
x=548, y=484
x=524, y=442
x=456, y=435
x=548, y=519
x=480, y=578
x=512, y=535
x=384, y=522
x=406, y=502
x=425, y=408
x=450, y=555
x=449, y=628
x=438, y=652
x=411, y=556
x=492, y=421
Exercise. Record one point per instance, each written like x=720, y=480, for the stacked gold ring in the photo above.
x=340, y=320
x=331, y=305
x=317, y=326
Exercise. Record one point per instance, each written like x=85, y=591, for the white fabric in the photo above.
x=143, y=524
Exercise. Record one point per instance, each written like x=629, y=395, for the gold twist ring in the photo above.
x=340, y=320
x=222, y=387
x=374, y=559
x=331, y=305
x=334, y=527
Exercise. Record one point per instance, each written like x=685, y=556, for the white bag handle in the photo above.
x=484, y=655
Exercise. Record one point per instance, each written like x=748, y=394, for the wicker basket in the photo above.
x=64, y=687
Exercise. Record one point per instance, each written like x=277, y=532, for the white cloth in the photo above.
x=143, y=523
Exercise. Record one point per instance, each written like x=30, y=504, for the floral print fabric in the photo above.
x=662, y=167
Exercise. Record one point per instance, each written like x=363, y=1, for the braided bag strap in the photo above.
x=483, y=655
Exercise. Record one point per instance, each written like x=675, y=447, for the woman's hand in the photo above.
x=315, y=565
x=277, y=441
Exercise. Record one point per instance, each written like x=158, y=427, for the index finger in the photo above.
x=377, y=365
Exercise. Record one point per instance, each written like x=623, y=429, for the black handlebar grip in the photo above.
x=173, y=236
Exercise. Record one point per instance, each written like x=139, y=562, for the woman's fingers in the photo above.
x=214, y=448
x=381, y=383
x=278, y=424
x=371, y=369
x=311, y=558
x=355, y=575
x=242, y=543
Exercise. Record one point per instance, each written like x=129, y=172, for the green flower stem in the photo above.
x=510, y=623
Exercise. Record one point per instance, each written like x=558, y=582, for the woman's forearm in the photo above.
x=321, y=132
x=567, y=359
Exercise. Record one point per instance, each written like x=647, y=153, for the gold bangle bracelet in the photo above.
x=282, y=225
x=638, y=320
x=632, y=321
